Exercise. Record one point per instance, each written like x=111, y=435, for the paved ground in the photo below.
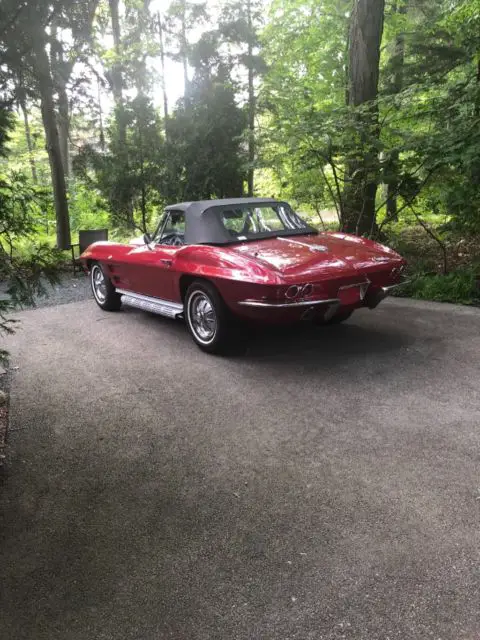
x=70, y=288
x=325, y=486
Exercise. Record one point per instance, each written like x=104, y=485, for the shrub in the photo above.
x=461, y=286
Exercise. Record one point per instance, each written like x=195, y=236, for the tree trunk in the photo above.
x=477, y=102
x=28, y=137
x=64, y=127
x=117, y=84
x=45, y=83
x=117, y=90
x=475, y=166
x=184, y=55
x=61, y=71
x=251, y=105
x=117, y=77
x=397, y=61
x=366, y=29
x=100, y=115
x=162, y=66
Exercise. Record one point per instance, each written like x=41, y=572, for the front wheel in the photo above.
x=103, y=290
x=209, y=321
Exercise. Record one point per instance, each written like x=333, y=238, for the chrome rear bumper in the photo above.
x=394, y=286
x=288, y=305
x=371, y=299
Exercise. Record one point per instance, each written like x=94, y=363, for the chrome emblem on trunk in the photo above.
x=312, y=247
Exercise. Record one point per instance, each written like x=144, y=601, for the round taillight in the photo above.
x=307, y=290
x=292, y=292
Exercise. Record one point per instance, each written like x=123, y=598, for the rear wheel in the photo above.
x=209, y=321
x=103, y=290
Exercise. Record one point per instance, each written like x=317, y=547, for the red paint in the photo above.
x=259, y=270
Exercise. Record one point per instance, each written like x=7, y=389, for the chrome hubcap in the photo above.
x=202, y=317
x=99, y=284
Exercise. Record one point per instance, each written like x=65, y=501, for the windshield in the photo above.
x=245, y=222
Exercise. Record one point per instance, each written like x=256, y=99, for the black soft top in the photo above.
x=203, y=223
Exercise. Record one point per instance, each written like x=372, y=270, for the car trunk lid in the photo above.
x=307, y=256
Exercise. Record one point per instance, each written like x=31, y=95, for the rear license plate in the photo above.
x=351, y=295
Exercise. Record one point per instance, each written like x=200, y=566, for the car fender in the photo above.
x=235, y=276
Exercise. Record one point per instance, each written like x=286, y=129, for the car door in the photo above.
x=150, y=270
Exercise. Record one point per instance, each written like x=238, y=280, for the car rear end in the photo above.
x=318, y=277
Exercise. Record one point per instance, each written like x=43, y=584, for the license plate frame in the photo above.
x=352, y=293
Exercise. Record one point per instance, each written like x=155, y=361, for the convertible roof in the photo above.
x=203, y=223
x=199, y=206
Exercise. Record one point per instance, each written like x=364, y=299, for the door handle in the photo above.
x=166, y=262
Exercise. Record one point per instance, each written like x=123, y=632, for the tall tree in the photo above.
x=251, y=99
x=46, y=90
x=61, y=70
x=206, y=135
x=240, y=23
x=22, y=103
x=305, y=131
x=116, y=73
x=365, y=37
x=24, y=41
x=30, y=32
x=182, y=17
x=131, y=190
x=395, y=70
x=161, y=38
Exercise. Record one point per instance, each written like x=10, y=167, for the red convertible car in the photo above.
x=219, y=263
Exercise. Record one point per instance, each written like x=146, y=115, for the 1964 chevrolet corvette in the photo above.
x=221, y=264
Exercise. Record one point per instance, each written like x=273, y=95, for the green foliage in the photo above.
x=17, y=152
x=6, y=126
x=131, y=176
x=88, y=209
x=205, y=143
x=26, y=265
x=461, y=286
x=310, y=136
x=182, y=17
x=429, y=105
x=201, y=159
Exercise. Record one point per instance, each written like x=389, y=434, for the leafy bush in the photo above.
x=88, y=210
x=461, y=286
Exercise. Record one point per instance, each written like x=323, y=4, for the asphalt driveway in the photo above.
x=324, y=486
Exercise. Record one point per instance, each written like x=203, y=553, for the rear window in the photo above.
x=250, y=221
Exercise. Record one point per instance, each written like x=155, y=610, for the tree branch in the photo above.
x=432, y=235
x=13, y=19
x=409, y=201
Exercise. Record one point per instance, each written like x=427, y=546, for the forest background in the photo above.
x=364, y=114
